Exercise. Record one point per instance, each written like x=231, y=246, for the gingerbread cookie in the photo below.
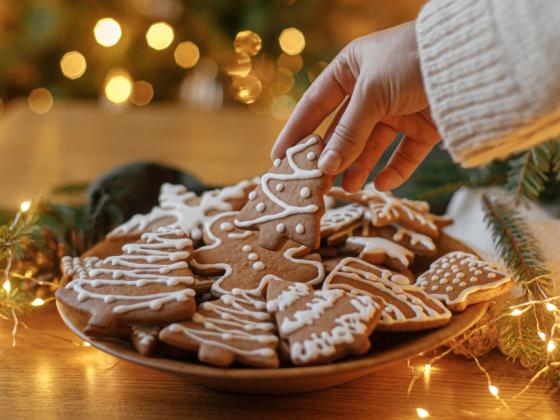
x=243, y=264
x=460, y=279
x=418, y=243
x=150, y=283
x=407, y=307
x=378, y=250
x=289, y=202
x=183, y=209
x=322, y=325
x=340, y=218
x=232, y=328
x=145, y=338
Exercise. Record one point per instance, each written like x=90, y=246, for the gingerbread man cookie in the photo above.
x=232, y=328
x=289, y=202
x=322, y=325
x=236, y=254
x=407, y=307
x=150, y=283
x=378, y=250
x=460, y=279
x=183, y=209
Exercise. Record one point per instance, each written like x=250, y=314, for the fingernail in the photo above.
x=330, y=161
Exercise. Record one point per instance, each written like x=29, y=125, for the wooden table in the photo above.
x=49, y=374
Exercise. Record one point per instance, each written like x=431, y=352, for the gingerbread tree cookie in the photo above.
x=322, y=325
x=150, y=283
x=183, y=209
x=407, y=307
x=232, y=328
x=378, y=250
x=460, y=279
x=289, y=202
x=236, y=254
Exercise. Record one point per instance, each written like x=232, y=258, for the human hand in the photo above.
x=377, y=83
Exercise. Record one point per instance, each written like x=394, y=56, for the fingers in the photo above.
x=381, y=137
x=350, y=135
x=322, y=98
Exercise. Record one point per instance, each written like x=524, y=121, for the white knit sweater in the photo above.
x=492, y=74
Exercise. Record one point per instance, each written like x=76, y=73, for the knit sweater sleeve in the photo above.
x=491, y=72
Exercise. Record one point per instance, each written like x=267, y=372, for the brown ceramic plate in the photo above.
x=387, y=349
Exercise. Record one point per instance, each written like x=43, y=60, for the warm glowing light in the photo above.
x=73, y=65
x=25, y=206
x=186, y=54
x=551, y=346
x=551, y=307
x=40, y=101
x=86, y=344
x=142, y=93
x=160, y=36
x=284, y=81
x=246, y=89
x=542, y=335
x=107, y=32
x=37, y=302
x=238, y=65
x=294, y=63
x=282, y=107
x=7, y=286
x=247, y=42
x=291, y=41
x=494, y=390
x=427, y=369
x=422, y=413
x=118, y=86
x=516, y=312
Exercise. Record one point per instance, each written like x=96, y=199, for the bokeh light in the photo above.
x=186, y=54
x=294, y=63
x=238, y=65
x=247, y=42
x=246, y=89
x=282, y=107
x=160, y=36
x=40, y=101
x=284, y=81
x=25, y=206
x=107, y=32
x=292, y=41
x=316, y=70
x=118, y=86
x=142, y=93
x=73, y=65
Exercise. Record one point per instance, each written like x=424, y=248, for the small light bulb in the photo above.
x=422, y=413
x=25, y=206
x=542, y=335
x=7, y=286
x=494, y=390
x=86, y=344
x=37, y=302
x=551, y=307
x=427, y=369
x=551, y=346
x=516, y=312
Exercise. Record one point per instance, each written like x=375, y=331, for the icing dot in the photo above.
x=259, y=265
x=300, y=228
x=305, y=192
x=226, y=227
x=252, y=256
x=439, y=271
x=252, y=195
x=435, y=287
x=311, y=156
x=477, y=273
x=424, y=283
x=462, y=284
x=445, y=265
x=456, y=280
x=280, y=227
x=447, y=275
x=460, y=275
x=435, y=278
x=279, y=187
x=247, y=248
x=260, y=207
x=491, y=275
x=449, y=288
x=443, y=281
x=277, y=162
x=473, y=279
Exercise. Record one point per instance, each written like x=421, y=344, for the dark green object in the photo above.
x=128, y=190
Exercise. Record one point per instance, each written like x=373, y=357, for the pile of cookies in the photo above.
x=262, y=274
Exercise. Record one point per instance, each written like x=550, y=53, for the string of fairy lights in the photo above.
x=263, y=85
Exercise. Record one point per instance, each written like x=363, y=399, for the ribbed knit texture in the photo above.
x=490, y=68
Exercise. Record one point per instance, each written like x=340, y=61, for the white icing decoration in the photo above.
x=279, y=187
x=259, y=265
x=280, y=227
x=144, y=262
x=298, y=174
x=311, y=156
x=277, y=162
x=252, y=256
x=299, y=228
x=415, y=237
x=247, y=248
x=340, y=217
x=374, y=245
x=305, y=192
x=252, y=195
x=226, y=227
x=260, y=207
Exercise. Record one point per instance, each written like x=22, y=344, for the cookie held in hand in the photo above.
x=460, y=279
x=322, y=325
x=289, y=202
x=232, y=328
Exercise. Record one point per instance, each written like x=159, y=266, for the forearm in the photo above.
x=490, y=72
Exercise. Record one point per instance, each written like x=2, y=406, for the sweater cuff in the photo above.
x=473, y=96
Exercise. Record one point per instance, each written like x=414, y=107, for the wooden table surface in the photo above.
x=50, y=374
